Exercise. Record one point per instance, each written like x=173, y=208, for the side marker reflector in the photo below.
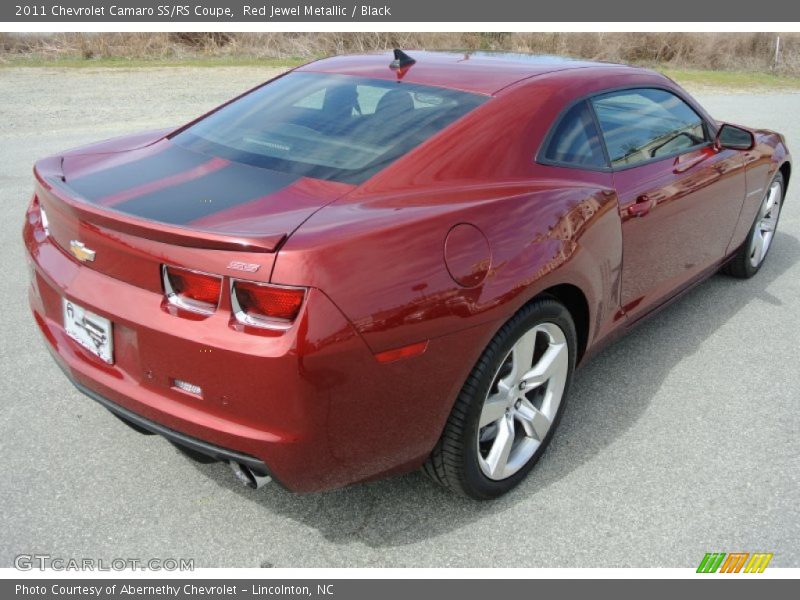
x=401, y=353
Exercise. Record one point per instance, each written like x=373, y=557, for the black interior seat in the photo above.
x=393, y=104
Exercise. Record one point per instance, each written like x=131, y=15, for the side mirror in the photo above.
x=735, y=138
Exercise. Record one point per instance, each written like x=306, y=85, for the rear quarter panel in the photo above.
x=382, y=261
x=379, y=251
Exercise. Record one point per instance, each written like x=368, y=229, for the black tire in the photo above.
x=740, y=266
x=453, y=463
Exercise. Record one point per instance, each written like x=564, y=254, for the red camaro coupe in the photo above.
x=376, y=263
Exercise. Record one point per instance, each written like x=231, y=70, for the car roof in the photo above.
x=480, y=72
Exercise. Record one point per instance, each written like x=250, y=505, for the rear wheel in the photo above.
x=510, y=404
x=751, y=255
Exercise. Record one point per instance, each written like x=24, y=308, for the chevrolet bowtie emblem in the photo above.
x=81, y=252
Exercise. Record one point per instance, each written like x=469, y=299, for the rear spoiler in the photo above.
x=51, y=183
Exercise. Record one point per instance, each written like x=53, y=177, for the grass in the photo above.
x=741, y=80
x=136, y=63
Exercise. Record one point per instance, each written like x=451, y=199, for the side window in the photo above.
x=640, y=125
x=575, y=140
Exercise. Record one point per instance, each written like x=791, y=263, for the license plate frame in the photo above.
x=89, y=330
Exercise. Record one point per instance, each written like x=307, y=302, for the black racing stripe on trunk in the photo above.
x=217, y=191
x=172, y=161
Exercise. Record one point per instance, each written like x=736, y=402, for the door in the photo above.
x=679, y=197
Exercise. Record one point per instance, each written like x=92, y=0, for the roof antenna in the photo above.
x=401, y=60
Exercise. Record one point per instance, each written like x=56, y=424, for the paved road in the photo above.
x=681, y=439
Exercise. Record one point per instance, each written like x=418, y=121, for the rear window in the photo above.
x=333, y=127
x=575, y=140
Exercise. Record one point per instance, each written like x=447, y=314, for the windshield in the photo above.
x=333, y=127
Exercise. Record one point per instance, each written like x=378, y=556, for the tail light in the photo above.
x=36, y=215
x=191, y=290
x=265, y=305
x=43, y=216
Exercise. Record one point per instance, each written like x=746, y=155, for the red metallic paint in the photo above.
x=467, y=255
x=314, y=402
x=688, y=227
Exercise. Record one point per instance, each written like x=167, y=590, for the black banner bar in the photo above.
x=472, y=11
x=730, y=588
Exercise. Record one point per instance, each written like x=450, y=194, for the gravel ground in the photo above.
x=681, y=439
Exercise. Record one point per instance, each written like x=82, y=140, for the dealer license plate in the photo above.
x=91, y=331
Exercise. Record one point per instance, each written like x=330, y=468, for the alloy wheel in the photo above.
x=523, y=401
x=766, y=223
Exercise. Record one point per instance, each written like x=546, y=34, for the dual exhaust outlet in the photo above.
x=248, y=477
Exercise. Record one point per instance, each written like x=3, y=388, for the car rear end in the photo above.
x=186, y=340
x=151, y=270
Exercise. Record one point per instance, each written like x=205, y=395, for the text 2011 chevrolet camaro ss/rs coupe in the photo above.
x=376, y=263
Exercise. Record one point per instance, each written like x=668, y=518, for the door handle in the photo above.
x=684, y=162
x=685, y=165
x=641, y=207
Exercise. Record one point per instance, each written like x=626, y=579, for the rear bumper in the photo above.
x=217, y=452
x=310, y=405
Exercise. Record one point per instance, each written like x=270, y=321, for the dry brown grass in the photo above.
x=721, y=51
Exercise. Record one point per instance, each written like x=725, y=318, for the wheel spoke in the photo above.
x=550, y=363
x=767, y=206
x=534, y=421
x=494, y=408
x=758, y=247
x=522, y=355
x=505, y=385
x=773, y=197
x=497, y=458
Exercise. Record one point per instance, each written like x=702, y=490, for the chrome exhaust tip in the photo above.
x=246, y=476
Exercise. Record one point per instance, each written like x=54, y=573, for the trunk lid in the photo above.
x=162, y=203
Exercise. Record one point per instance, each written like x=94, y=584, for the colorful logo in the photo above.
x=735, y=562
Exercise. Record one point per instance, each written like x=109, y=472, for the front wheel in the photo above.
x=751, y=255
x=510, y=405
